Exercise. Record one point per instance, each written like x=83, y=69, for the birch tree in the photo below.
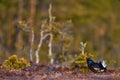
x=31, y=21
x=42, y=37
x=47, y=30
x=50, y=54
x=44, y=33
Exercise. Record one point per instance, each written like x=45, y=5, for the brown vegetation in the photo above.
x=56, y=72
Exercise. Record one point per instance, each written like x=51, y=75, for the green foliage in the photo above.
x=80, y=62
x=14, y=62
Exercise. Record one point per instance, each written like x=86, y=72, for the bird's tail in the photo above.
x=104, y=64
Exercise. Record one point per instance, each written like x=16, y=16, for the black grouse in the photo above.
x=96, y=67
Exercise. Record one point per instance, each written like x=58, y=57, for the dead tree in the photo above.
x=82, y=47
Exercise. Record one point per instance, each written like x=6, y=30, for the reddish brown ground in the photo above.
x=56, y=72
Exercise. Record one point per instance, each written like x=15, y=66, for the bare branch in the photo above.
x=82, y=47
x=50, y=15
x=46, y=35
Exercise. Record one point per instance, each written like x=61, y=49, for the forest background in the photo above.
x=96, y=22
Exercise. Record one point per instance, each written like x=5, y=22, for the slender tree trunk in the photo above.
x=19, y=43
x=31, y=24
x=11, y=30
x=39, y=46
x=50, y=49
x=51, y=35
x=20, y=7
x=32, y=43
x=42, y=37
x=32, y=12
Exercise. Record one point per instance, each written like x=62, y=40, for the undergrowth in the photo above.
x=14, y=63
x=80, y=62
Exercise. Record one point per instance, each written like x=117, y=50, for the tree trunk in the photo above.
x=31, y=23
x=19, y=42
x=51, y=35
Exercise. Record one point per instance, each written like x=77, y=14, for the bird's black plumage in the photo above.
x=96, y=66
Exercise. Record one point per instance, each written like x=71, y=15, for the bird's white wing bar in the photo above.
x=103, y=63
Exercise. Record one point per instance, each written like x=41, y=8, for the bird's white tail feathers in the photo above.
x=104, y=64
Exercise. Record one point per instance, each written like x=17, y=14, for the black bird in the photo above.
x=96, y=67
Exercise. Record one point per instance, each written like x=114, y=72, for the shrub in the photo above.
x=80, y=62
x=14, y=62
